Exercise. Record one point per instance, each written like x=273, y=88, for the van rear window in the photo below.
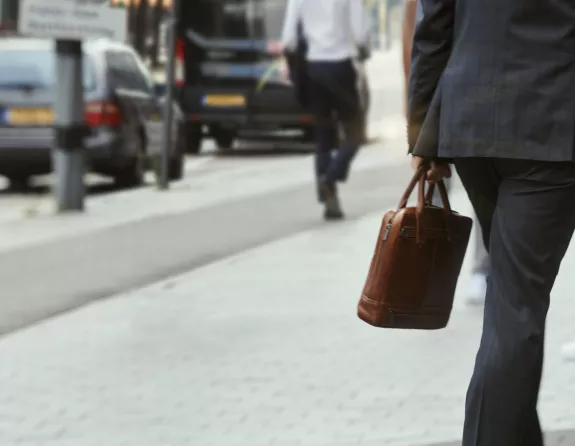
x=235, y=19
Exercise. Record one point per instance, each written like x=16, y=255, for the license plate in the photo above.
x=29, y=116
x=224, y=100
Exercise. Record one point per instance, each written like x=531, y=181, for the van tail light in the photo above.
x=102, y=114
x=179, y=63
x=274, y=47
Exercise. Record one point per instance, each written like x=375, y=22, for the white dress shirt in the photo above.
x=333, y=29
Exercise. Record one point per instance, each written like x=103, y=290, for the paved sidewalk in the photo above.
x=561, y=438
x=262, y=349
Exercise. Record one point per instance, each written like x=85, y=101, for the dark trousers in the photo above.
x=335, y=104
x=527, y=216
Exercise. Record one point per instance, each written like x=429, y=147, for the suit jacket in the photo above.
x=493, y=78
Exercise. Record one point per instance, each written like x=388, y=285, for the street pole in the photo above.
x=387, y=24
x=163, y=180
x=69, y=129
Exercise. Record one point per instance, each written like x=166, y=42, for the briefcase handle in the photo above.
x=431, y=190
x=419, y=179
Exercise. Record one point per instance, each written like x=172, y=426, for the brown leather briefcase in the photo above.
x=417, y=260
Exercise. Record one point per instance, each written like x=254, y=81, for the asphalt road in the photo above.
x=45, y=280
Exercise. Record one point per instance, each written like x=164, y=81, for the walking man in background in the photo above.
x=413, y=13
x=491, y=89
x=335, y=32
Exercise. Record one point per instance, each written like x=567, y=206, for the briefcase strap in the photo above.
x=442, y=193
x=420, y=179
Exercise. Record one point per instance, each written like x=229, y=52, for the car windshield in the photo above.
x=236, y=19
x=35, y=69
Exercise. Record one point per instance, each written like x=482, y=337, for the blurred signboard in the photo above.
x=72, y=19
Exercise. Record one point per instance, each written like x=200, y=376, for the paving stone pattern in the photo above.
x=261, y=349
x=562, y=438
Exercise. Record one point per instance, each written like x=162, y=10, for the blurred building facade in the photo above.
x=145, y=18
x=8, y=15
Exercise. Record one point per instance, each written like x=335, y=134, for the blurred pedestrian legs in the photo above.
x=334, y=97
x=329, y=35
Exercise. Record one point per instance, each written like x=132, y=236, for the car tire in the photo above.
x=134, y=174
x=176, y=170
x=193, y=137
x=177, y=165
x=225, y=139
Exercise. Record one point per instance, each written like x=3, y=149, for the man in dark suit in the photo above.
x=492, y=89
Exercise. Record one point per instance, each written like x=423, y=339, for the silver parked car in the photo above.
x=122, y=109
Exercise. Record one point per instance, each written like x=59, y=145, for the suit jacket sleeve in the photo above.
x=432, y=43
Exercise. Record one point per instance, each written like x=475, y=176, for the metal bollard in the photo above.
x=69, y=129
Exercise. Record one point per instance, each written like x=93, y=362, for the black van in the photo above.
x=230, y=73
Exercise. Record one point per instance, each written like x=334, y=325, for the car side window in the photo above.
x=142, y=71
x=119, y=74
x=125, y=72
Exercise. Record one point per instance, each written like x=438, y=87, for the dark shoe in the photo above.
x=331, y=202
x=332, y=215
x=321, y=192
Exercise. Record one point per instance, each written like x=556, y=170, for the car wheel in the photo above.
x=194, y=138
x=176, y=171
x=178, y=160
x=134, y=174
x=225, y=139
x=177, y=164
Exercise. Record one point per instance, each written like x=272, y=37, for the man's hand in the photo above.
x=437, y=171
x=364, y=53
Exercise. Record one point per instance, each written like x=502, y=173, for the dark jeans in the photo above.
x=335, y=101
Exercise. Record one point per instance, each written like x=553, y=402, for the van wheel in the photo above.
x=225, y=139
x=19, y=183
x=309, y=135
x=194, y=138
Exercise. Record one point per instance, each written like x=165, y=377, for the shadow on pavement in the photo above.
x=267, y=148
x=558, y=438
x=39, y=189
x=254, y=152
